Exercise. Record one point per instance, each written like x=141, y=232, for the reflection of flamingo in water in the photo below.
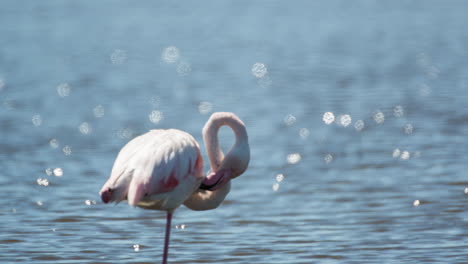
x=163, y=169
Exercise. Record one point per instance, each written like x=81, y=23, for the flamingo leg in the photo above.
x=166, y=240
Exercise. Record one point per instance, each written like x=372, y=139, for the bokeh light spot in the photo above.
x=328, y=158
x=275, y=186
x=289, y=120
x=49, y=171
x=398, y=111
x=396, y=153
x=90, y=202
x=405, y=155
x=67, y=150
x=293, y=158
x=379, y=117
x=42, y=182
x=136, y=247
x=170, y=55
x=408, y=129
x=58, y=172
x=98, y=111
x=328, y=118
x=156, y=116
x=85, y=128
x=36, y=120
x=205, y=108
x=64, y=90
x=183, y=68
x=259, y=70
x=118, y=57
x=345, y=120
x=54, y=143
x=304, y=133
x=359, y=125
x=125, y=133
x=279, y=177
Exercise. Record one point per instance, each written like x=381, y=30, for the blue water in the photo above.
x=385, y=182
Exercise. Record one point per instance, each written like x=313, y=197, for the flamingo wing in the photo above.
x=156, y=162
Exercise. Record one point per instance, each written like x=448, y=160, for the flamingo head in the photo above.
x=234, y=164
x=115, y=189
x=106, y=194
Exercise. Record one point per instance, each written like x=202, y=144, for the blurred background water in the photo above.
x=356, y=112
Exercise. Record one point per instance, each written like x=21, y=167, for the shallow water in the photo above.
x=384, y=182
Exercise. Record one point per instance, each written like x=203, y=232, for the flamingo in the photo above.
x=163, y=169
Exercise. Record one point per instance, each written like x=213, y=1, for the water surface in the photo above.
x=384, y=182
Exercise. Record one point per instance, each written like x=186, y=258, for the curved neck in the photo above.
x=207, y=200
x=210, y=136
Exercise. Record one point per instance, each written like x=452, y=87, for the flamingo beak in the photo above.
x=216, y=180
x=106, y=195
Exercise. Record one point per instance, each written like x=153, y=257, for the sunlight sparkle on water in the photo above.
x=125, y=133
x=205, y=108
x=170, y=55
x=85, y=128
x=58, y=172
x=156, y=116
x=63, y=90
x=379, y=117
x=42, y=182
x=396, y=153
x=67, y=150
x=183, y=68
x=293, y=158
x=90, y=202
x=328, y=118
x=345, y=120
x=424, y=89
x=289, y=120
x=54, y=143
x=405, y=155
x=118, y=57
x=98, y=111
x=182, y=226
x=359, y=125
x=275, y=186
x=136, y=247
x=36, y=120
x=408, y=128
x=398, y=111
x=259, y=70
x=279, y=177
x=304, y=133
